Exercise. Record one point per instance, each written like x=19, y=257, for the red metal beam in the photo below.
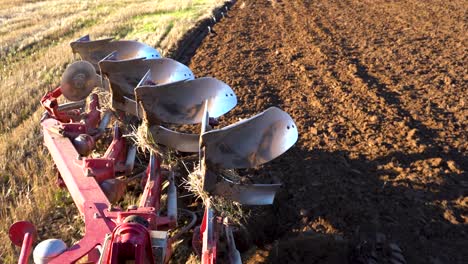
x=85, y=191
x=81, y=187
x=97, y=225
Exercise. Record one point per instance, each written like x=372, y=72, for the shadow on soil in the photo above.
x=326, y=192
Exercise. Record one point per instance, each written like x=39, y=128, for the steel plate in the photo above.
x=124, y=75
x=183, y=102
x=95, y=50
x=250, y=142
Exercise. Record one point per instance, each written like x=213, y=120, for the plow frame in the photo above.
x=140, y=233
x=102, y=220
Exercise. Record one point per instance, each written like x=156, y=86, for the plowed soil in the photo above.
x=378, y=90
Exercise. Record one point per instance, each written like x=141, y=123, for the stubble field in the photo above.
x=34, y=51
x=377, y=89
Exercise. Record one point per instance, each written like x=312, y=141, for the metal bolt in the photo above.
x=89, y=173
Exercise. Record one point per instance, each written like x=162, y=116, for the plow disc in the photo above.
x=159, y=92
x=78, y=80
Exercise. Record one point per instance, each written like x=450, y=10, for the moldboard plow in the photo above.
x=157, y=94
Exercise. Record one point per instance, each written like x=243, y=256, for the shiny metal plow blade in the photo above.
x=183, y=102
x=179, y=141
x=250, y=142
x=124, y=75
x=249, y=194
x=96, y=50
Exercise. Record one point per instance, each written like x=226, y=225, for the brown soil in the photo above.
x=378, y=91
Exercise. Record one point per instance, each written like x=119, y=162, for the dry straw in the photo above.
x=224, y=207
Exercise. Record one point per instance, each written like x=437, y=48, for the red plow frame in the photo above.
x=164, y=91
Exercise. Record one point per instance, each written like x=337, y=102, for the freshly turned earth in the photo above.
x=378, y=90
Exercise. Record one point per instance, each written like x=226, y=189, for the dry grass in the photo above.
x=34, y=50
x=143, y=139
x=223, y=206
